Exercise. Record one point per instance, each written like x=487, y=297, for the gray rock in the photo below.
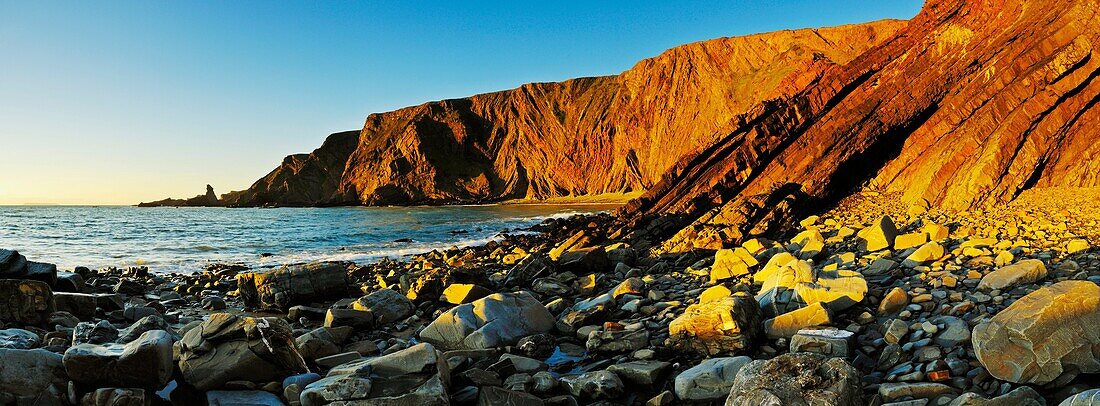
x=293, y=284
x=500, y=319
x=95, y=333
x=413, y=376
x=29, y=373
x=1090, y=397
x=640, y=373
x=617, y=341
x=358, y=319
x=386, y=305
x=594, y=385
x=1022, y=396
x=147, y=323
x=242, y=398
x=115, y=397
x=18, y=339
x=827, y=342
x=228, y=347
x=143, y=363
x=493, y=396
x=81, y=305
x=783, y=381
x=710, y=380
x=920, y=390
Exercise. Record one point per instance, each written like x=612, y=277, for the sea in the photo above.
x=186, y=239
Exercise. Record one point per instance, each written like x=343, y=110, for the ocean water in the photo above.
x=169, y=239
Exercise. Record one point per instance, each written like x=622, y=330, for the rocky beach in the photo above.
x=873, y=302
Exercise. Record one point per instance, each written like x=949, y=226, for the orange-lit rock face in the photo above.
x=969, y=104
x=582, y=136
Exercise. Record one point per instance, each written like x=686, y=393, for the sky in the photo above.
x=119, y=102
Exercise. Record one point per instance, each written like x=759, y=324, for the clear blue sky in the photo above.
x=116, y=102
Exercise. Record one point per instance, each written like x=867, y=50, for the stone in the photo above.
x=919, y=390
x=293, y=285
x=927, y=252
x=81, y=305
x=827, y=342
x=1022, y=396
x=94, y=333
x=786, y=380
x=30, y=373
x=640, y=373
x=25, y=301
x=496, y=320
x=242, y=398
x=414, y=376
x=727, y=325
x=1077, y=246
x=777, y=261
x=713, y=293
x=321, y=342
x=115, y=397
x=910, y=240
x=617, y=341
x=493, y=396
x=18, y=339
x=878, y=236
x=729, y=264
x=212, y=303
x=1039, y=337
x=1026, y=271
x=894, y=331
x=583, y=260
x=334, y=360
x=227, y=347
x=143, y=363
x=710, y=380
x=358, y=319
x=386, y=305
x=1090, y=397
x=462, y=293
x=147, y=323
x=955, y=331
x=798, y=284
x=788, y=324
x=594, y=385
x=895, y=300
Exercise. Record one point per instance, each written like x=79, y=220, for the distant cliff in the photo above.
x=579, y=137
x=207, y=199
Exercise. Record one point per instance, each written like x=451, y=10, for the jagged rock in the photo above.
x=584, y=260
x=14, y=265
x=1090, y=397
x=359, y=319
x=1040, y=337
x=1026, y=271
x=241, y=398
x=143, y=363
x=25, y=301
x=495, y=320
x=878, y=236
x=293, y=284
x=895, y=300
x=322, y=342
x=710, y=380
x=227, y=347
x=641, y=373
x=115, y=397
x=18, y=339
x=617, y=341
x=387, y=306
x=81, y=305
x=828, y=342
x=31, y=373
x=928, y=252
x=730, y=263
x=727, y=325
x=801, y=378
x=417, y=375
x=147, y=323
x=493, y=396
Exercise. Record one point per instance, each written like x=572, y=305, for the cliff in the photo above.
x=579, y=137
x=967, y=106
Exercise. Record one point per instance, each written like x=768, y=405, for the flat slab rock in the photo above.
x=496, y=320
x=1050, y=332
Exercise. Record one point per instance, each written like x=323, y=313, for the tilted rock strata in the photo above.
x=969, y=104
x=542, y=140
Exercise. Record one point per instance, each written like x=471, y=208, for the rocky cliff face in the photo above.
x=578, y=137
x=968, y=105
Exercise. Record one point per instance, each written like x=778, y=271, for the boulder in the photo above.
x=147, y=323
x=81, y=305
x=1090, y=397
x=1026, y=271
x=14, y=265
x=798, y=284
x=895, y=300
x=831, y=343
x=143, y=363
x=386, y=305
x=358, y=319
x=25, y=301
x=584, y=260
x=927, y=252
x=494, y=396
x=18, y=339
x=788, y=324
x=94, y=333
x=242, y=398
x=727, y=325
x=496, y=320
x=731, y=263
x=594, y=385
x=227, y=347
x=710, y=380
x=462, y=293
x=796, y=379
x=115, y=397
x=1047, y=335
x=878, y=236
x=1022, y=396
x=293, y=284
x=417, y=375
x=640, y=373
x=30, y=373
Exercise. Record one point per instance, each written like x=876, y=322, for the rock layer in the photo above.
x=541, y=140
